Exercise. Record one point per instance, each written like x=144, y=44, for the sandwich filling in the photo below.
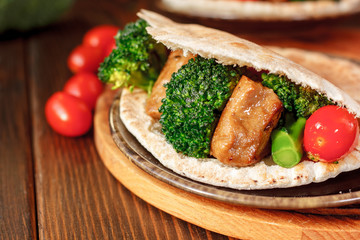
x=228, y=112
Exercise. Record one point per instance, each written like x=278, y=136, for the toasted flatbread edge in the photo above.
x=232, y=50
x=263, y=175
x=262, y=10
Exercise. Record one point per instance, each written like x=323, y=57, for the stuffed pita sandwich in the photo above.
x=274, y=10
x=227, y=112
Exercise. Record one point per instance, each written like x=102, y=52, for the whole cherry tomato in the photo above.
x=101, y=37
x=85, y=59
x=68, y=115
x=86, y=86
x=330, y=133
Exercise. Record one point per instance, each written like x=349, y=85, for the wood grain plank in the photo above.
x=232, y=220
x=17, y=201
x=77, y=198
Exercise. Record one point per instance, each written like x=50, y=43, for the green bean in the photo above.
x=286, y=148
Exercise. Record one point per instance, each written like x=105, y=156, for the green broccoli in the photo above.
x=309, y=101
x=195, y=97
x=136, y=61
x=303, y=101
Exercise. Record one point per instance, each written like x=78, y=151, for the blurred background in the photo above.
x=56, y=187
x=24, y=18
x=249, y=16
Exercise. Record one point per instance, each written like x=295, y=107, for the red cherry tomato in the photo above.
x=109, y=48
x=101, y=37
x=330, y=133
x=85, y=59
x=68, y=115
x=86, y=86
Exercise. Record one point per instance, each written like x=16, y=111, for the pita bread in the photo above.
x=262, y=10
x=232, y=50
x=319, y=63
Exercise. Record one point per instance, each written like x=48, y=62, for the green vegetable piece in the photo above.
x=136, y=61
x=303, y=101
x=286, y=148
x=195, y=97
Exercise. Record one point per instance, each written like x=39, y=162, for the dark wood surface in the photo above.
x=54, y=187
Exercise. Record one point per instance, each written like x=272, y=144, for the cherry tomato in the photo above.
x=86, y=86
x=101, y=37
x=85, y=59
x=109, y=48
x=68, y=115
x=330, y=133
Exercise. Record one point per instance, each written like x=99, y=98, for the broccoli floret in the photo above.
x=303, y=101
x=309, y=101
x=195, y=96
x=136, y=61
x=285, y=89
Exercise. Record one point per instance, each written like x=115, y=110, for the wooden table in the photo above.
x=54, y=187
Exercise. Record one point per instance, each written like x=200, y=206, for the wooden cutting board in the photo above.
x=231, y=220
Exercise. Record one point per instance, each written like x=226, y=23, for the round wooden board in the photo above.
x=231, y=220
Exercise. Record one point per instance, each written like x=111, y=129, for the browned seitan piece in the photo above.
x=242, y=134
x=175, y=60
